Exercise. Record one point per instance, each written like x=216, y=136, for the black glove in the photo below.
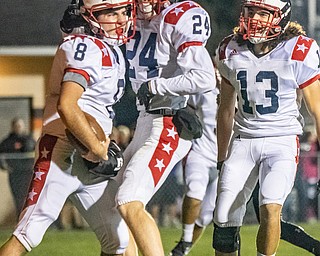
x=72, y=18
x=144, y=95
x=219, y=165
x=107, y=168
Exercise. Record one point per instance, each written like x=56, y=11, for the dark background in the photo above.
x=36, y=23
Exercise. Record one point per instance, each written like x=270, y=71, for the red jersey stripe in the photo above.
x=172, y=17
x=310, y=81
x=187, y=44
x=301, y=48
x=106, y=60
x=80, y=72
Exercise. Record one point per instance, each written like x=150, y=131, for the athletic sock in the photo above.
x=187, y=232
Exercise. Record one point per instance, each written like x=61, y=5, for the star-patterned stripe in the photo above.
x=106, y=59
x=167, y=145
x=301, y=48
x=172, y=17
x=41, y=169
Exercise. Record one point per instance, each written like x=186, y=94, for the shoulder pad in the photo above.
x=223, y=47
x=301, y=48
x=106, y=58
x=177, y=10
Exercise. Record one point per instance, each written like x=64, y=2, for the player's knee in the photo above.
x=131, y=209
x=196, y=188
x=226, y=239
x=204, y=219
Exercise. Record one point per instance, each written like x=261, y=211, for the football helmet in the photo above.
x=257, y=31
x=92, y=8
x=149, y=8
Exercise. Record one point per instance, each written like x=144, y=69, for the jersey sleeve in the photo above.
x=197, y=74
x=220, y=57
x=190, y=30
x=83, y=60
x=306, y=53
x=190, y=25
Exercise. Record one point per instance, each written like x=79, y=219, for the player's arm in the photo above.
x=189, y=38
x=225, y=115
x=311, y=95
x=75, y=120
x=198, y=74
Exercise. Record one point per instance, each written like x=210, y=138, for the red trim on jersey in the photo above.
x=72, y=37
x=169, y=140
x=106, y=60
x=80, y=72
x=301, y=48
x=187, y=44
x=223, y=47
x=41, y=169
x=310, y=81
x=298, y=150
x=173, y=16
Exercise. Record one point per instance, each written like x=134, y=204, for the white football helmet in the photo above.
x=91, y=9
x=258, y=32
x=149, y=8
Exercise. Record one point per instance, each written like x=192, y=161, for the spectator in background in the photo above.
x=309, y=166
x=16, y=157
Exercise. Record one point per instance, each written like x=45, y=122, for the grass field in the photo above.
x=84, y=243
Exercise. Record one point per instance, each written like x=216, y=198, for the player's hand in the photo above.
x=108, y=168
x=72, y=18
x=144, y=95
x=100, y=154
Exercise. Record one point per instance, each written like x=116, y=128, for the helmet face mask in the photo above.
x=146, y=9
x=259, y=31
x=109, y=28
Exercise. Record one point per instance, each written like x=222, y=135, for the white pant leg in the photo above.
x=50, y=187
x=278, y=169
x=209, y=202
x=236, y=182
x=196, y=174
x=97, y=205
x=153, y=161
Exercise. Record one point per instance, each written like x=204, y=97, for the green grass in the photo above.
x=84, y=243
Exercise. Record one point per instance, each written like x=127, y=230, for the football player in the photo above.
x=262, y=64
x=200, y=174
x=168, y=61
x=87, y=76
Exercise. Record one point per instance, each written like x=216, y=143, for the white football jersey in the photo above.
x=170, y=48
x=206, y=108
x=94, y=65
x=266, y=86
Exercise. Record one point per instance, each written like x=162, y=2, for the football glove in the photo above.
x=144, y=95
x=72, y=18
x=107, y=168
